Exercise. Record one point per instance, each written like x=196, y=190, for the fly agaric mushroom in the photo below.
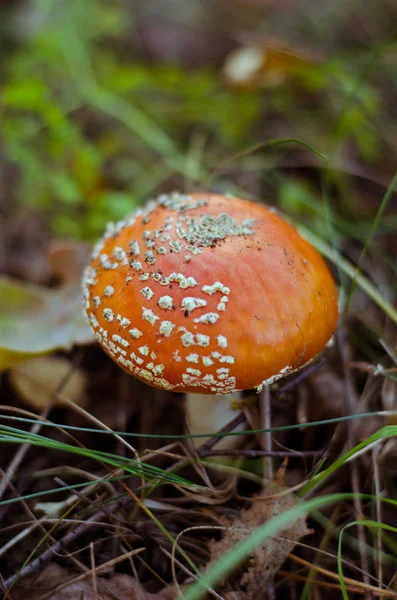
x=209, y=294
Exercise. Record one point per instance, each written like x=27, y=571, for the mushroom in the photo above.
x=209, y=294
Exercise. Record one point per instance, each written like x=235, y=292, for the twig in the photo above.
x=93, y=571
x=36, y=523
x=265, y=410
x=21, y=453
x=238, y=420
x=378, y=504
x=3, y=588
x=33, y=566
x=353, y=465
x=301, y=376
x=257, y=453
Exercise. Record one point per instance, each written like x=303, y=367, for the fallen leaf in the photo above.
x=266, y=559
x=37, y=380
x=116, y=586
x=36, y=320
x=265, y=65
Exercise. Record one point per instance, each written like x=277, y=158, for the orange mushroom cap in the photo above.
x=209, y=293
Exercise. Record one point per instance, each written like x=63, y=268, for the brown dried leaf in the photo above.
x=37, y=380
x=114, y=587
x=35, y=320
x=267, y=558
x=265, y=65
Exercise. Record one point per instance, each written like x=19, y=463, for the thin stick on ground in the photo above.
x=272, y=453
x=266, y=423
x=378, y=506
x=350, y=392
x=238, y=420
x=70, y=537
x=23, y=449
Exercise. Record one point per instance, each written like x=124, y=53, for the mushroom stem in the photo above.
x=206, y=414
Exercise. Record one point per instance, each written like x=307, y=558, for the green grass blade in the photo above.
x=383, y=205
x=133, y=466
x=384, y=433
x=365, y=523
x=346, y=267
x=164, y=436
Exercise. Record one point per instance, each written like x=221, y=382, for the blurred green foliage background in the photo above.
x=95, y=117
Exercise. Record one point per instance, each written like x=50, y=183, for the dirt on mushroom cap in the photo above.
x=208, y=293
